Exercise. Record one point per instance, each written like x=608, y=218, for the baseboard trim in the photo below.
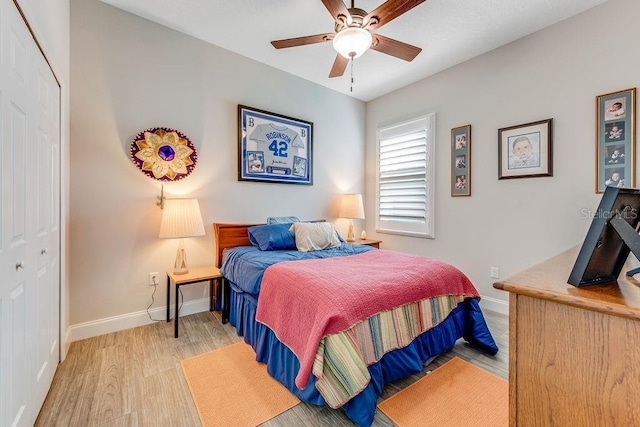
x=132, y=320
x=67, y=344
x=494, y=304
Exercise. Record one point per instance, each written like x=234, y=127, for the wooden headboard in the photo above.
x=229, y=236
x=232, y=235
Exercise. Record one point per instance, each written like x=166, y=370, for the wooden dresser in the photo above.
x=574, y=353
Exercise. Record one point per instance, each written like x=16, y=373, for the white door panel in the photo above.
x=17, y=398
x=15, y=381
x=18, y=53
x=17, y=141
x=44, y=184
x=40, y=372
x=47, y=243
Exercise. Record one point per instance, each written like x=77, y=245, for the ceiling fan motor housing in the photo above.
x=355, y=20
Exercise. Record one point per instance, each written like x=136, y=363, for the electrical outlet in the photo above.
x=154, y=279
x=495, y=272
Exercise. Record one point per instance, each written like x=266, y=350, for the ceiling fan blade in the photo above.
x=339, y=65
x=336, y=8
x=394, y=47
x=388, y=11
x=301, y=41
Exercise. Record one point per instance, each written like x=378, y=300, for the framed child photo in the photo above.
x=615, y=139
x=525, y=151
x=461, y=161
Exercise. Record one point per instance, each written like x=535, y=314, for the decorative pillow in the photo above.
x=272, y=237
x=314, y=236
x=282, y=219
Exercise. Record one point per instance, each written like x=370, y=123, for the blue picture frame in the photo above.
x=274, y=148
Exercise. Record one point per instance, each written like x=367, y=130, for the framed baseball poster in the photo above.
x=274, y=148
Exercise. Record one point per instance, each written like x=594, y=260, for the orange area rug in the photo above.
x=457, y=393
x=229, y=388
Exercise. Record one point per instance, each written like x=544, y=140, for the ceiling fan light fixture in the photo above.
x=352, y=42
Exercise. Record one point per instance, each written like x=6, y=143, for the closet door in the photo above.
x=29, y=236
x=17, y=275
x=45, y=159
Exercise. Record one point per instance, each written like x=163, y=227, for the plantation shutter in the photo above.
x=404, y=178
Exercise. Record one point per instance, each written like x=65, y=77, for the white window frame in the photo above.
x=426, y=228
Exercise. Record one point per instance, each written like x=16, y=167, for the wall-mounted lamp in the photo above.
x=351, y=207
x=181, y=218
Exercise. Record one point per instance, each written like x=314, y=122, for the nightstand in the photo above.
x=368, y=242
x=195, y=275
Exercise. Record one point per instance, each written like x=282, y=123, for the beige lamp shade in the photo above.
x=351, y=206
x=181, y=218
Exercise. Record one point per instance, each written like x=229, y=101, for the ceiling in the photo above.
x=448, y=31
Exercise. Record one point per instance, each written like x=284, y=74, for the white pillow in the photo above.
x=314, y=236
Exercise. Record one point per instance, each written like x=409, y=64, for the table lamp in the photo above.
x=181, y=218
x=351, y=207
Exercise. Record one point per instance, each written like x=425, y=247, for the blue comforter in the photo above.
x=245, y=265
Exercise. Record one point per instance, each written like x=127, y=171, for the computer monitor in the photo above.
x=612, y=235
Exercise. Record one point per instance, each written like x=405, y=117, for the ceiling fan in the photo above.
x=353, y=32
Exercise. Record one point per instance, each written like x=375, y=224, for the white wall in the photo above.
x=130, y=74
x=555, y=73
x=49, y=20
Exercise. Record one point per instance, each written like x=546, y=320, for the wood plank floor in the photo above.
x=134, y=378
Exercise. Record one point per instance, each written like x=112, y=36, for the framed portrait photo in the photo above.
x=461, y=161
x=615, y=139
x=274, y=148
x=525, y=151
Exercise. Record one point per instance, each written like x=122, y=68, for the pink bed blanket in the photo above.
x=303, y=301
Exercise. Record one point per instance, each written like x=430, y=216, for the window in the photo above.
x=404, y=193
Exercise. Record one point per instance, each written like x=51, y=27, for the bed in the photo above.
x=341, y=324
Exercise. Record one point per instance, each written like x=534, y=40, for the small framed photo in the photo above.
x=525, y=151
x=461, y=161
x=274, y=148
x=615, y=139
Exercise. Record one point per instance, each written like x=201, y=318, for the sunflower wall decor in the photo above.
x=164, y=154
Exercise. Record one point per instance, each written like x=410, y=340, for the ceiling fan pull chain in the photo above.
x=351, y=88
